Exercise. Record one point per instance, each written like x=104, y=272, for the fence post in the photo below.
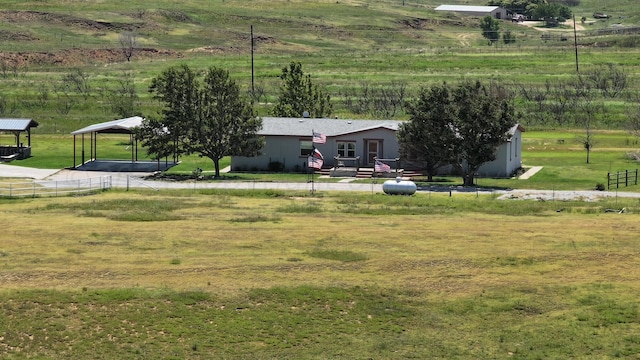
x=608, y=181
x=626, y=178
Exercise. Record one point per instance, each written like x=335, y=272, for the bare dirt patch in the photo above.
x=76, y=56
x=16, y=36
x=532, y=24
x=67, y=20
x=428, y=24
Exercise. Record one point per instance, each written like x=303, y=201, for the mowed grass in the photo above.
x=273, y=274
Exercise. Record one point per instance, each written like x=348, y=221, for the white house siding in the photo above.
x=508, y=158
x=286, y=150
x=283, y=149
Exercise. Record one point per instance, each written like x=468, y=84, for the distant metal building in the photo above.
x=479, y=11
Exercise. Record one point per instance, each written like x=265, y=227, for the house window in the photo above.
x=306, y=147
x=346, y=149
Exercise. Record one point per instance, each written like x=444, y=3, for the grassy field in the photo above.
x=174, y=275
x=286, y=275
x=341, y=44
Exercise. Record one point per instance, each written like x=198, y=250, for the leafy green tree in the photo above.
x=483, y=117
x=298, y=94
x=177, y=89
x=207, y=117
x=508, y=37
x=552, y=14
x=157, y=141
x=460, y=125
x=524, y=7
x=428, y=138
x=226, y=123
x=490, y=28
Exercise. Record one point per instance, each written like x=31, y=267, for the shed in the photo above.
x=479, y=11
x=16, y=127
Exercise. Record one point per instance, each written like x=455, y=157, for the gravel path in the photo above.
x=136, y=180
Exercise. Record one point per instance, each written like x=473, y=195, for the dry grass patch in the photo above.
x=240, y=275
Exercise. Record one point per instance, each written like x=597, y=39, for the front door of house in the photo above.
x=374, y=147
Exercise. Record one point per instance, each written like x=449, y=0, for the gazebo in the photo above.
x=16, y=127
x=121, y=126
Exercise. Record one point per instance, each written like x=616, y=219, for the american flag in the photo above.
x=381, y=167
x=315, y=160
x=319, y=138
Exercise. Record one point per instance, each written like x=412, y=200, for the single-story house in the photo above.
x=496, y=12
x=288, y=143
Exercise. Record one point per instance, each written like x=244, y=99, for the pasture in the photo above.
x=346, y=46
x=286, y=275
x=270, y=274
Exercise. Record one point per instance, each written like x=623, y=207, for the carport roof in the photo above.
x=17, y=124
x=116, y=126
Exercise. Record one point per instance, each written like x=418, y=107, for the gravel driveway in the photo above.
x=136, y=180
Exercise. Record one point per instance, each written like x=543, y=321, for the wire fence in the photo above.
x=54, y=188
x=622, y=178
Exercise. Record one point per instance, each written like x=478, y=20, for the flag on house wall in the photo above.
x=315, y=160
x=381, y=167
x=319, y=138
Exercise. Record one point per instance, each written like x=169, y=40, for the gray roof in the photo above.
x=116, y=126
x=467, y=8
x=328, y=127
x=17, y=124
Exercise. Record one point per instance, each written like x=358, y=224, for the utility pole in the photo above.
x=252, y=78
x=575, y=42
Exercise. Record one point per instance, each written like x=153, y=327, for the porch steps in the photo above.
x=364, y=173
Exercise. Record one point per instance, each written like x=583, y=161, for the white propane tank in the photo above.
x=399, y=187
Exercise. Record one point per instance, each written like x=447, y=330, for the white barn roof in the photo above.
x=116, y=126
x=467, y=8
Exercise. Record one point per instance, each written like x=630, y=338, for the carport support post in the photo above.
x=82, y=149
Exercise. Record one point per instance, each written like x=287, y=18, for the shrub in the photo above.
x=275, y=166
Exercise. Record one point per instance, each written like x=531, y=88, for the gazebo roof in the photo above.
x=17, y=124
x=121, y=126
